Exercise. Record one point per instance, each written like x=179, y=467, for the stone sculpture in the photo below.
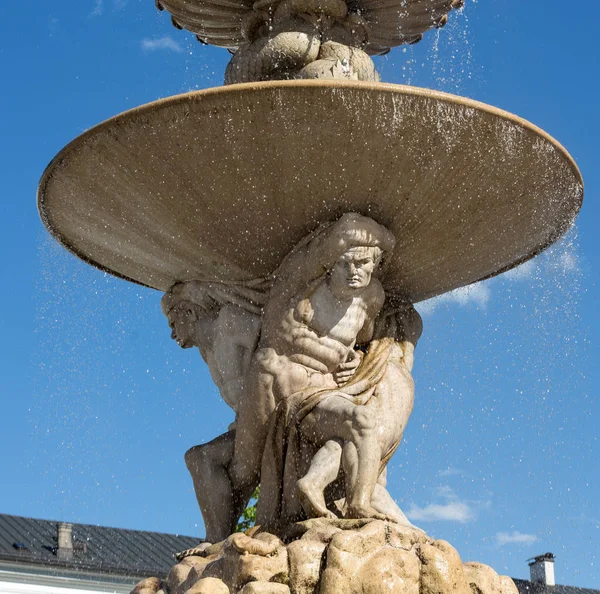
x=371, y=25
x=200, y=193
x=316, y=361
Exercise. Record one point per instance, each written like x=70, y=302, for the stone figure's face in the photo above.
x=182, y=320
x=354, y=268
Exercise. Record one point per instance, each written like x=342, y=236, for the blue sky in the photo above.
x=98, y=405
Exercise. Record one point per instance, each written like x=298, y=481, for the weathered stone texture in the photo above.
x=331, y=557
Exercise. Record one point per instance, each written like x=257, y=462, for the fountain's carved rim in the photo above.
x=227, y=95
x=229, y=90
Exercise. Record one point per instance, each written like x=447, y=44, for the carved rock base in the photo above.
x=330, y=557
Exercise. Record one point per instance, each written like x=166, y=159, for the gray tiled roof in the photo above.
x=131, y=552
x=107, y=550
x=526, y=587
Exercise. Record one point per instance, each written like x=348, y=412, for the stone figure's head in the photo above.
x=364, y=243
x=355, y=267
x=182, y=321
x=184, y=307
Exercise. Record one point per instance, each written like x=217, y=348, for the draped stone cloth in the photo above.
x=285, y=460
x=250, y=295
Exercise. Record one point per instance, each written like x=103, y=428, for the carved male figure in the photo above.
x=324, y=300
x=223, y=321
x=373, y=414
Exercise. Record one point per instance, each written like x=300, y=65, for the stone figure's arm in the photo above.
x=375, y=300
x=401, y=321
x=410, y=332
x=235, y=338
x=317, y=255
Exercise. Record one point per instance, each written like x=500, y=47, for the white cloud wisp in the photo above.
x=453, y=511
x=163, y=43
x=516, y=537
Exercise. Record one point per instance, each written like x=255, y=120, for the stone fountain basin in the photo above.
x=222, y=183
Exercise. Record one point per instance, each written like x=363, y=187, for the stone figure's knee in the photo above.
x=196, y=458
x=363, y=420
x=333, y=447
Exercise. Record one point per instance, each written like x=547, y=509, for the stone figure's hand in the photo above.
x=346, y=370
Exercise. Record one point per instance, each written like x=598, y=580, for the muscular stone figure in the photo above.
x=323, y=302
x=338, y=420
x=223, y=321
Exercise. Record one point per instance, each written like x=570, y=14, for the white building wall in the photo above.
x=30, y=582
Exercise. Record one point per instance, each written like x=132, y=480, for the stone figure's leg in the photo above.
x=324, y=469
x=251, y=434
x=382, y=501
x=337, y=418
x=207, y=464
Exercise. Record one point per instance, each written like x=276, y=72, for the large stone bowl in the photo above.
x=222, y=183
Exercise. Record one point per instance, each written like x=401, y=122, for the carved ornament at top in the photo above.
x=387, y=23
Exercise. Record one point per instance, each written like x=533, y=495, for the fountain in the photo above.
x=292, y=218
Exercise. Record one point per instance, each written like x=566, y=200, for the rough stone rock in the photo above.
x=441, y=569
x=148, y=586
x=237, y=561
x=185, y=574
x=482, y=579
x=389, y=571
x=265, y=588
x=209, y=586
x=322, y=556
x=364, y=561
x=305, y=558
x=247, y=559
x=507, y=585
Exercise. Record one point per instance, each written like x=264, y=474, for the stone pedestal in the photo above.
x=330, y=557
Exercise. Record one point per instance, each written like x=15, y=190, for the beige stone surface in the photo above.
x=441, y=569
x=305, y=561
x=265, y=588
x=243, y=559
x=208, y=586
x=363, y=561
x=389, y=571
x=338, y=557
x=185, y=574
x=148, y=586
x=238, y=175
x=282, y=53
x=482, y=579
x=507, y=586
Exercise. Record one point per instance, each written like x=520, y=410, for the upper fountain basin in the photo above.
x=222, y=183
